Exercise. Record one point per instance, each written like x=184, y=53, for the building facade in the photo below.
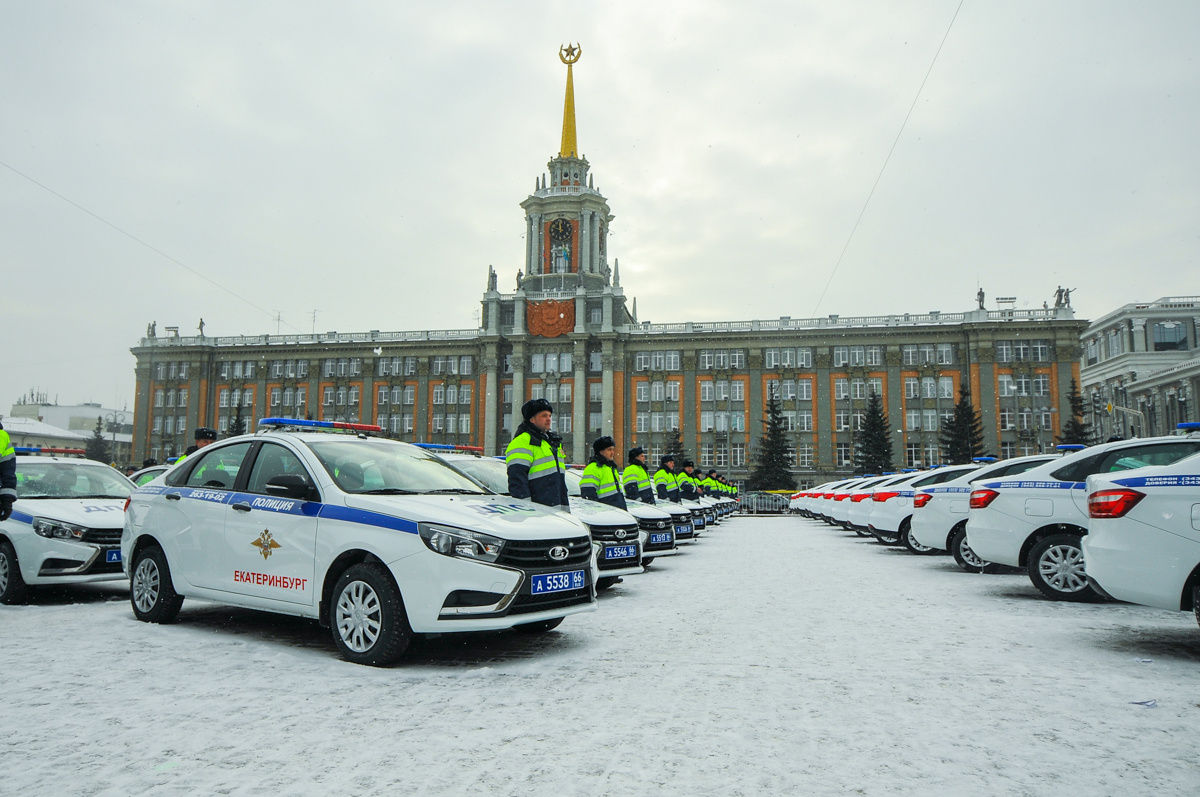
x=566, y=334
x=1141, y=368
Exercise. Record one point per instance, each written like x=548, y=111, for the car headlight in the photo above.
x=450, y=541
x=56, y=529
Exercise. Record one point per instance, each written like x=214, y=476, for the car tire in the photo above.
x=889, y=537
x=647, y=560
x=540, y=627
x=1196, y=602
x=604, y=582
x=912, y=545
x=967, y=559
x=1056, y=569
x=13, y=588
x=367, y=616
x=151, y=592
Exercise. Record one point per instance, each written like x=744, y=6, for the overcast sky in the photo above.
x=366, y=160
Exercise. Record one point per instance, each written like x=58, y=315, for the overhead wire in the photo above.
x=138, y=240
x=879, y=176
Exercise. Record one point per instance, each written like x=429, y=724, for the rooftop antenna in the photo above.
x=314, y=327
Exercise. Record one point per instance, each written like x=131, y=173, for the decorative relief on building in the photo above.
x=550, y=319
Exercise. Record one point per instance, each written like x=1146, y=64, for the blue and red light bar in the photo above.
x=449, y=447
x=1188, y=426
x=304, y=422
x=40, y=450
x=983, y=459
x=1068, y=447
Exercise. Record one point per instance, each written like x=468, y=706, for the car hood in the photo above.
x=596, y=513
x=647, y=512
x=505, y=517
x=94, y=513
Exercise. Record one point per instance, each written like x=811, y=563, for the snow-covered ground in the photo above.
x=776, y=656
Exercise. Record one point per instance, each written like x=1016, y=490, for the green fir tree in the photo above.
x=772, y=469
x=675, y=448
x=236, y=425
x=873, y=443
x=962, y=436
x=1076, y=430
x=97, y=446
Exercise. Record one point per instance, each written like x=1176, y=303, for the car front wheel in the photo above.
x=150, y=590
x=369, y=622
x=12, y=586
x=1056, y=568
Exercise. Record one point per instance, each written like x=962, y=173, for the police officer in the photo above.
x=204, y=437
x=665, y=483
x=687, y=484
x=535, y=458
x=8, y=474
x=636, y=479
x=601, y=480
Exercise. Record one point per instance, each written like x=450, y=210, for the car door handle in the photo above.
x=242, y=507
x=174, y=496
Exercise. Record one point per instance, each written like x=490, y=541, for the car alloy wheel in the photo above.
x=359, y=616
x=1062, y=568
x=147, y=582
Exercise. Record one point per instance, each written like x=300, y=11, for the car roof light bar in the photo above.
x=983, y=459
x=1188, y=426
x=1070, y=447
x=42, y=450
x=449, y=447
x=307, y=424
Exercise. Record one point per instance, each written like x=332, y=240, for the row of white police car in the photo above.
x=1119, y=520
x=377, y=539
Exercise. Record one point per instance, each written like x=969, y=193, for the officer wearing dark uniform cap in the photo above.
x=204, y=436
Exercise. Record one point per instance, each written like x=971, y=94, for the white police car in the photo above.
x=1037, y=520
x=376, y=538
x=939, y=521
x=66, y=523
x=892, y=505
x=1143, y=540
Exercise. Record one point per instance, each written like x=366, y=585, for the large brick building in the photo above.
x=567, y=334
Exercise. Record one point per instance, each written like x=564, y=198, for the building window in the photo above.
x=913, y=420
x=642, y=392
x=858, y=388
x=706, y=455
x=722, y=390
x=158, y=398
x=928, y=387
x=908, y=354
x=706, y=421
x=327, y=398
x=843, y=455
x=301, y=393
x=276, y=396
x=439, y=394
x=841, y=388
x=656, y=422
x=929, y=420
x=1041, y=385
x=787, y=390
x=1006, y=419
x=643, y=421
x=722, y=457
x=594, y=421
x=1008, y=450
x=874, y=355
x=1170, y=336
x=912, y=455
x=287, y=397
x=658, y=391
x=1006, y=386
x=407, y=419
x=875, y=386
x=1041, y=351
x=841, y=356
x=183, y=396
x=737, y=455
x=595, y=391
x=804, y=358
x=439, y=422
x=858, y=356
x=641, y=361
x=1021, y=350
x=804, y=389
x=770, y=358
x=946, y=387
x=842, y=421
x=595, y=361
x=705, y=360
x=706, y=390
x=658, y=360
x=773, y=389
x=804, y=422
x=506, y=395
x=804, y=455
x=464, y=394
x=673, y=390
x=945, y=354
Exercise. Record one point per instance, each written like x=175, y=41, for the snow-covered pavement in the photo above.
x=775, y=656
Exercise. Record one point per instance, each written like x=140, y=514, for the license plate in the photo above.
x=656, y=539
x=683, y=529
x=113, y=555
x=698, y=523
x=556, y=582
x=620, y=551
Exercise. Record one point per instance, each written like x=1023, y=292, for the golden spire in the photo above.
x=570, y=149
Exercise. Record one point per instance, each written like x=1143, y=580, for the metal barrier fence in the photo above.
x=765, y=503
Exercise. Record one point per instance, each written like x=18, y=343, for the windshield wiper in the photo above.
x=388, y=491
x=453, y=491
x=114, y=497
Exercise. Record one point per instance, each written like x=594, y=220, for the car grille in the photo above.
x=534, y=555
x=609, y=534
x=654, y=525
x=102, y=537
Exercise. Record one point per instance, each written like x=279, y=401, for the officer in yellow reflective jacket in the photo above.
x=204, y=437
x=601, y=480
x=8, y=475
x=535, y=458
x=666, y=486
x=636, y=479
x=687, y=482
x=710, y=484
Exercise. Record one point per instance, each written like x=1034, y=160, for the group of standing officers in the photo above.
x=536, y=466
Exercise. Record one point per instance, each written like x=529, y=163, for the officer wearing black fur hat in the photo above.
x=687, y=484
x=601, y=480
x=636, y=479
x=665, y=483
x=535, y=458
x=204, y=436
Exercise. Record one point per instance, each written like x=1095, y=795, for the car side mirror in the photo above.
x=289, y=485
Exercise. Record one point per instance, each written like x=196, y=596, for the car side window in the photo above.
x=1078, y=471
x=218, y=468
x=274, y=460
x=1144, y=456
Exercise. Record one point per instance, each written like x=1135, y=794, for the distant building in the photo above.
x=32, y=433
x=566, y=333
x=117, y=425
x=1141, y=367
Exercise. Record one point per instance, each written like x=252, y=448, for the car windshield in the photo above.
x=383, y=467
x=491, y=473
x=48, y=479
x=573, y=477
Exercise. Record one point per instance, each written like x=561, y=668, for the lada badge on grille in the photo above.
x=558, y=553
x=662, y=524
x=619, y=534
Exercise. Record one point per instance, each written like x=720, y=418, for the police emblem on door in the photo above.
x=265, y=544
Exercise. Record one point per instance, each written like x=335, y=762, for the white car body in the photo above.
x=84, y=532
x=242, y=547
x=859, y=512
x=892, y=515
x=1150, y=553
x=934, y=523
x=1011, y=517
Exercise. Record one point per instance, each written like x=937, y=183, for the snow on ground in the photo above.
x=775, y=656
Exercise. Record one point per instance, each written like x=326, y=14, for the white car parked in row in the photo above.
x=1143, y=541
x=1037, y=520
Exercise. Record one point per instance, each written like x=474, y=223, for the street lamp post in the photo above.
x=115, y=419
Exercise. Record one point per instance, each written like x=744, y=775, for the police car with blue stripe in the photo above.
x=66, y=522
x=1037, y=520
x=375, y=538
x=1143, y=541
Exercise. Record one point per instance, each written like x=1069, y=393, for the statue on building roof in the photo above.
x=200, y=326
x=979, y=298
x=520, y=276
x=491, y=283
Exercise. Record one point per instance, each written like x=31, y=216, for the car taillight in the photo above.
x=881, y=497
x=841, y=497
x=856, y=497
x=1113, y=503
x=126, y=507
x=981, y=498
x=921, y=499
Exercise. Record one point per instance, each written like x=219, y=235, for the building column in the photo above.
x=491, y=399
x=580, y=309
x=595, y=243
x=519, y=313
x=585, y=247
x=579, y=401
x=530, y=234
x=518, y=363
x=607, y=405
x=1139, y=334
